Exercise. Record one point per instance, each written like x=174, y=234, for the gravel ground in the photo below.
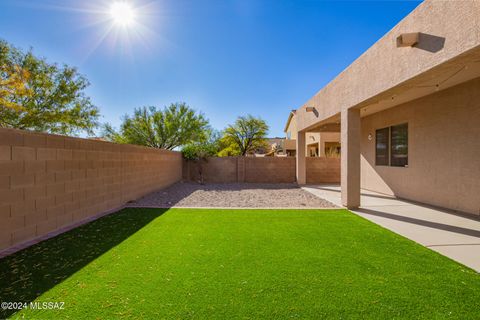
x=232, y=195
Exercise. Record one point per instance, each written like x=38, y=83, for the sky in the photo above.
x=224, y=58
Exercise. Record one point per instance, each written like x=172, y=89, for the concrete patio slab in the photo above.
x=453, y=235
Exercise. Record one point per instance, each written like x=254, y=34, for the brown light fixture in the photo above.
x=310, y=109
x=408, y=39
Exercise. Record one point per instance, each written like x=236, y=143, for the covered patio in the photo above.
x=408, y=112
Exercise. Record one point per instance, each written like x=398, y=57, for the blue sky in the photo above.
x=224, y=58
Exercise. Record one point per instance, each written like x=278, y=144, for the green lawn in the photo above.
x=248, y=264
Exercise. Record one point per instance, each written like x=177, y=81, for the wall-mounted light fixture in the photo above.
x=408, y=39
x=370, y=137
x=310, y=109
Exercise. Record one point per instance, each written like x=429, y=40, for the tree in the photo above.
x=42, y=96
x=13, y=82
x=199, y=152
x=203, y=149
x=244, y=136
x=174, y=126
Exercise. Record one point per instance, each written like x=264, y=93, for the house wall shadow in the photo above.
x=27, y=274
x=363, y=194
x=425, y=223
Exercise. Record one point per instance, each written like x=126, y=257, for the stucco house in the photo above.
x=317, y=144
x=274, y=147
x=408, y=111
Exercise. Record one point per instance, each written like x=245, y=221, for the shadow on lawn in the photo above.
x=27, y=274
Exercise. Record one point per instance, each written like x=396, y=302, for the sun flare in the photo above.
x=122, y=14
x=124, y=27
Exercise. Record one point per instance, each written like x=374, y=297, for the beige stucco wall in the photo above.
x=328, y=137
x=385, y=66
x=319, y=139
x=312, y=141
x=311, y=137
x=292, y=128
x=444, y=150
x=48, y=182
x=290, y=144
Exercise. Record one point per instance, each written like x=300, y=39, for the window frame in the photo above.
x=387, y=156
x=390, y=146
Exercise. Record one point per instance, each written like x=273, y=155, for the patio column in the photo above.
x=350, y=158
x=301, y=170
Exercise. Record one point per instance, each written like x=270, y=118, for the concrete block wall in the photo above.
x=215, y=170
x=322, y=170
x=242, y=169
x=48, y=182
x=261, y=170
x=270, y=170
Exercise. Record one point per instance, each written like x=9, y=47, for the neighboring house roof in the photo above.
x=290, y=116
x=275, y=139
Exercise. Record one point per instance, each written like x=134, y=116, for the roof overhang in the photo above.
x=447, y=53
x=290, y=116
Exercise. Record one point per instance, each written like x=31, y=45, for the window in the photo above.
x=391, y=146
x=399, y=145
x=332, y=149
x=313, y=150
x=381, y=147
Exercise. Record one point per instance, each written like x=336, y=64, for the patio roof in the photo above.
x=448, y=53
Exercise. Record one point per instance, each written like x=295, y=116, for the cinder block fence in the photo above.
x=48, y=181
x=261, y=170
x=322, y=170
x=241, y=169
x=51, y=182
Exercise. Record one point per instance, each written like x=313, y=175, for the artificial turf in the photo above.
x=249, y=264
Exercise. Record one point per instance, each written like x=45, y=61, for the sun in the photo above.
x=122, y=13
